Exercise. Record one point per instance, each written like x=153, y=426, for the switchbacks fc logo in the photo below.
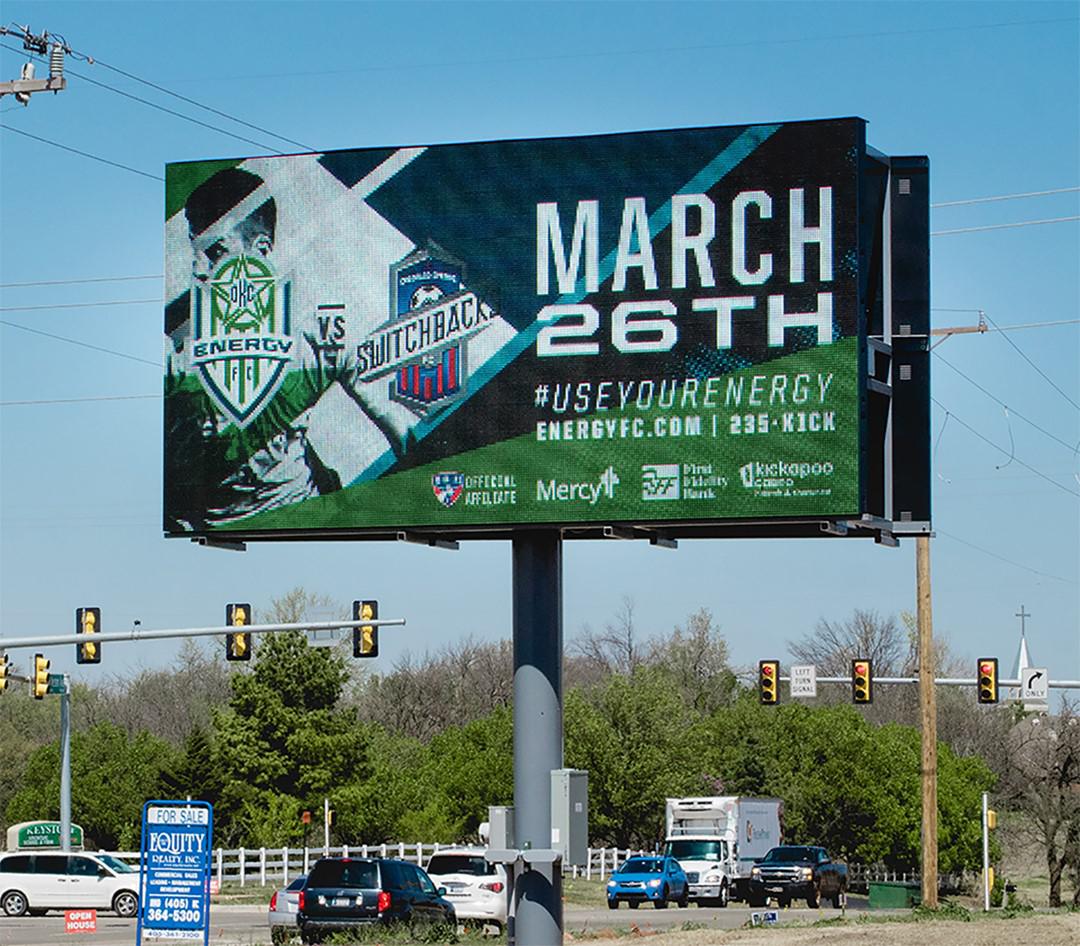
x=424, y=343
x=241, y=341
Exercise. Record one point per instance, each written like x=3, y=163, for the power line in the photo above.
x=76, y=305
x=1001, y=558
x=72, y=282
x=208, y=108
x=162, y=108
x=85, y=154
x=655, y=50
x=1012, y=411
x=75, y=341
x=1039, y=370
x=169, y=111
x=987, y=200
x=1004, y=226
x=1008, y=453
x=80, y=400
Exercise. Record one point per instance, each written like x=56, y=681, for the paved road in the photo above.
x=245, y=925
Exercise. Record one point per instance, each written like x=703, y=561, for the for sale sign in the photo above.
x=174, y=900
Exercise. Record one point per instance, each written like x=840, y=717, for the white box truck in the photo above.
x=717, y=839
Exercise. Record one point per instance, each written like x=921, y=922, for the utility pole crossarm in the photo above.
x=27, y=86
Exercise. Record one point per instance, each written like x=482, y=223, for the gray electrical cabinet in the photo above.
x=570, y=815
x=501, y=827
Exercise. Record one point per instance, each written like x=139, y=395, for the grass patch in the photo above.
x=584, y=893
x=946, y=910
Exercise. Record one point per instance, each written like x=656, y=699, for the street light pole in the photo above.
x=928, y=706
x=65, y=765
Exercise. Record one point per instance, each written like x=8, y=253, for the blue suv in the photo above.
x=644, y=878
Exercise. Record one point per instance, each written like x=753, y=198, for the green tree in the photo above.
x=632, y=734
x=112, y=775
x=282, y=737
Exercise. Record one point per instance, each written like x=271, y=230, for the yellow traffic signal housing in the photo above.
x=988, y=679
x=862, y=681
x=769, y=681
x=991, y=818
x=3, y=672
x=39, y=683
x=238, y=643
x=88, y=621
x=365, y=641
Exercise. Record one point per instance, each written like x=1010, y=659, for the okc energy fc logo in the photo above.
x=242, y=343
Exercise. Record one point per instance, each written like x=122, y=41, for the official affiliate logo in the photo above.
x=241, y=342
x=448, y=487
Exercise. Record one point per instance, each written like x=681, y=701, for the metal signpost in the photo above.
x=174, y=882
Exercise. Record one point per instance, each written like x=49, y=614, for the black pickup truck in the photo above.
x=794, y=872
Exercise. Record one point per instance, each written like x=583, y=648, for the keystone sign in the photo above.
x=708, y=331
x=41, y=834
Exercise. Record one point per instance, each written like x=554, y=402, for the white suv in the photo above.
x=34, y=883
x=477, y=889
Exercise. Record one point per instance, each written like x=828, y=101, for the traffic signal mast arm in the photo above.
x=139, y=633
x=945, y=681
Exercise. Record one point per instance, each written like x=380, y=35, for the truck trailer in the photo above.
x=717, y=839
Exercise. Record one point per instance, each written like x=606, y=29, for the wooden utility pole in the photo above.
x=928, y=707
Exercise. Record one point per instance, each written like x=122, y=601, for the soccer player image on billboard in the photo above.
x=654, y=327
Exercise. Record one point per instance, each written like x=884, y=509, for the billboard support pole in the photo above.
x=538, y=730
x=928, y=705
x=65, y=766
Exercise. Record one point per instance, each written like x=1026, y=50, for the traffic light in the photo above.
x=988, y=685
x=3, y=672
x=238, y=643
x=769, y=681
x=365, y=638
x=88, y=621
x=862, y=681
x=991, y=818
x=39, y=683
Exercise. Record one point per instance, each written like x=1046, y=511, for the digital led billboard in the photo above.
x=660, y=328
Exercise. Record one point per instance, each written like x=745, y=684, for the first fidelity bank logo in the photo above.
x=582, y=491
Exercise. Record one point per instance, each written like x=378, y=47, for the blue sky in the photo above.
x=988, y=90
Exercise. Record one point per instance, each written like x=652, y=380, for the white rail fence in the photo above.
x=276, y=867
x=266, y=866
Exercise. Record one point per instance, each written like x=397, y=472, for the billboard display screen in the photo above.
x=656, y=328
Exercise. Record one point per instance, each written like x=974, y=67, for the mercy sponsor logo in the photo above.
x=780, y=473
x=548, y=491
x=660, y=481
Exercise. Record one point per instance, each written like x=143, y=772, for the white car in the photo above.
x=281, y=915
x=478, y=890
x=34, y=883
